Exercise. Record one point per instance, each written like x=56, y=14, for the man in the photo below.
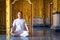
x=18, y=26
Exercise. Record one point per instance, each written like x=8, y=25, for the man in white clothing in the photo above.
x=18, y=25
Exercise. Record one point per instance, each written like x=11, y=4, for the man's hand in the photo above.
x=27, y=31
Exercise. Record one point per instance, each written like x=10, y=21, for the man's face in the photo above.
x=19, y=15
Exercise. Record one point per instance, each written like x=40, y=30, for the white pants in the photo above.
x=19, y=38
x=24, y=33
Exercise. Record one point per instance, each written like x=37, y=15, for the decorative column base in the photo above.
x=55, y=28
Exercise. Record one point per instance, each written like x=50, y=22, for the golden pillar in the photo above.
x=54, y=11
x=7, y=19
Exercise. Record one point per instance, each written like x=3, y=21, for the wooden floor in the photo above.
x=43, y=34
x=39, y=34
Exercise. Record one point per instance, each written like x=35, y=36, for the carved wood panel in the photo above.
x=2, y=17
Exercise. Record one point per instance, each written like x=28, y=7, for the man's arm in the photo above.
x=13, y=29
x=26, y=27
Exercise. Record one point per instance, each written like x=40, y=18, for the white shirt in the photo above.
x=19, y=24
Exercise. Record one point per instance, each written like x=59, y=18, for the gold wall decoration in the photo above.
x=47, y=8
x=37, y=8
x=41, y=6
x=55, y=5
x=27, y=12
x=58, y=7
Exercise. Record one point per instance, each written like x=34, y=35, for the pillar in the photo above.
x=56, y=15
x=7, y=19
